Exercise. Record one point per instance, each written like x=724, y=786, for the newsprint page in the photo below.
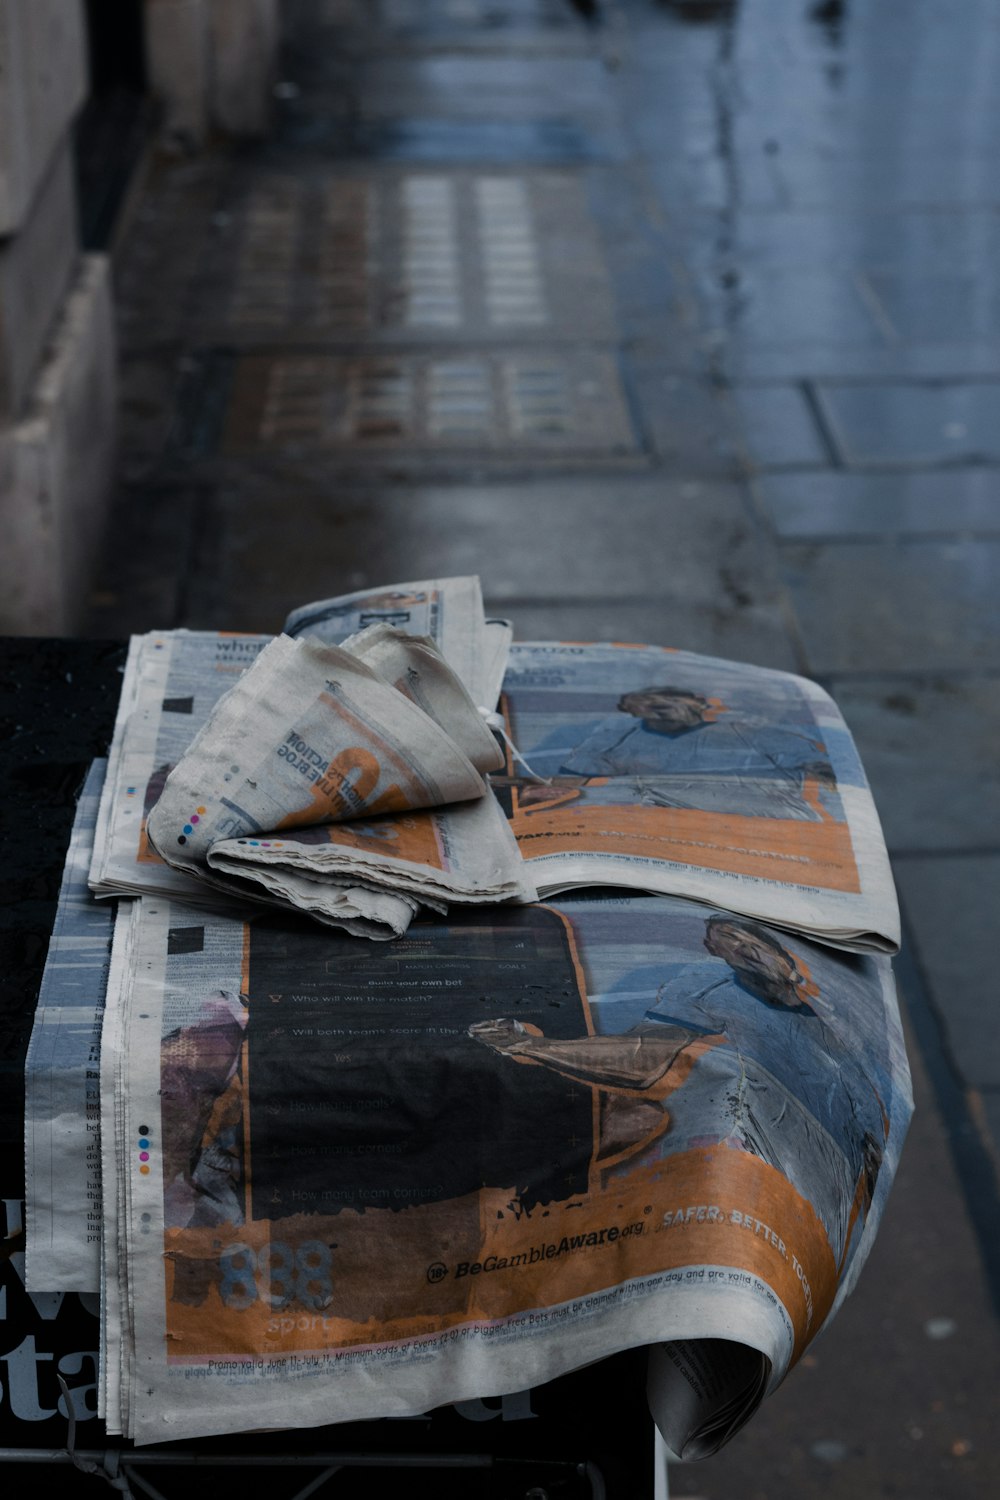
x=357, y=1179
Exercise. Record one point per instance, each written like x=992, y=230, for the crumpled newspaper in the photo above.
x=347, y=781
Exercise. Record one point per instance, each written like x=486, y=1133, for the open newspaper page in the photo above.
x=363, y=1180
x=720, y=781
x=62, y=1078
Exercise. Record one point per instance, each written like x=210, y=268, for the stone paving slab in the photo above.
x=684, y=417
x=931, y=423
x=929, y=747
x=166, y=567
x=494, y=88
x=504, y=31
x=481, y=16
x=756, y=633
x=951, y=904
x=907, y=245
x=448, y=142
x=700, y=180
x=158, y=267
x=796, y=307
x=909, y=606
x=779, y=427
x=483, y=23
x=935, y=307
x=892, y=362
x=890, y=178
x=562, y=540
x=517, y=38
x=654, y=292
x=837, y=505
x=147, y=411
x=453, y=108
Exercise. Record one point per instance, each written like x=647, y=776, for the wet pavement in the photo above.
x=679, y=326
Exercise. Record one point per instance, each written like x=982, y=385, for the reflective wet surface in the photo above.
x=680, y=324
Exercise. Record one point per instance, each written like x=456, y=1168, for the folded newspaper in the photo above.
x=642, y=767
x=277, y=794
x=282, y=751
x=340, y=1179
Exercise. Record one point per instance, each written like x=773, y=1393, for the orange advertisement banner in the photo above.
x=323, y=1282
x=785, y=850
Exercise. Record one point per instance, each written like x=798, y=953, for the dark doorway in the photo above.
x=113, y=126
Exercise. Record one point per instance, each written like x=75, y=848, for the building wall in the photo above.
x=211, y=64
x=57, y=363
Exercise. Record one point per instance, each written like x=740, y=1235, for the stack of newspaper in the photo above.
x=642, y=767
x=344, y=1179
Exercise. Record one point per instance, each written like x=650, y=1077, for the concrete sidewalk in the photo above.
x=682, y=326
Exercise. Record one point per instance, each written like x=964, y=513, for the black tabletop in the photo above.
x=58, y=700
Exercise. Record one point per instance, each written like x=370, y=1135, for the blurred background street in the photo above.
x=678, y=321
